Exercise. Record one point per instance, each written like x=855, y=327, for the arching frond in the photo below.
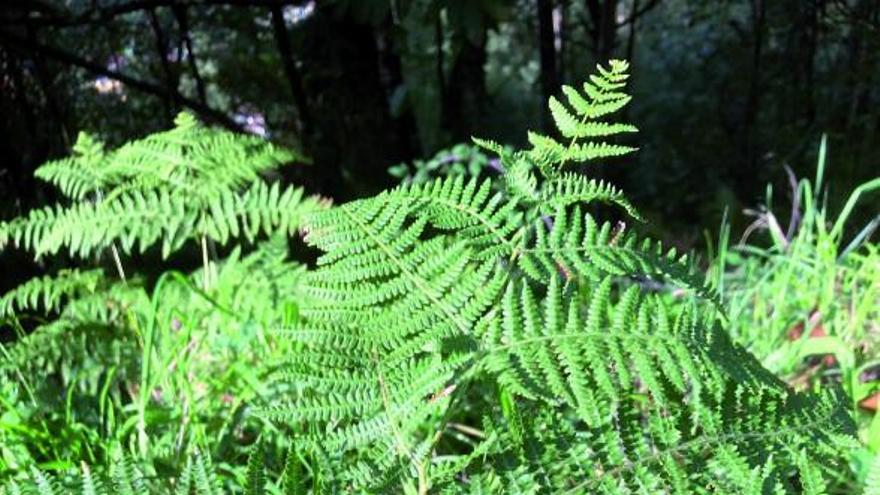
x=430, y=298
x=167, y=188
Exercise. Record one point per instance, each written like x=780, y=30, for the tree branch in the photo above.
x=638, y=12
x=102, y=15
x=180, y=13
x=162, y=52
x=32, y=46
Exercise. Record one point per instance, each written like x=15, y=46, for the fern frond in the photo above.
x=126, y=477
x=168, y=187
x=485, y=219
x=256, y=475
x=292, y=478
x=657, y=405
x=601, y=97
x=80, y=174
x=872, y=483
x=578, y=246
x=44, y=484
x=591, y=361
x=50, y=291
x=90, y=484
x=570, y=189
x=138, y=220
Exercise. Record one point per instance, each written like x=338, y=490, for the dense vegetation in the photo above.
x=478, y=332
x=252, y=246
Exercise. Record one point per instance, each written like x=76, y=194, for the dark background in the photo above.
x=727, y=92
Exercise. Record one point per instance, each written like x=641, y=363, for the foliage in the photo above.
x=151, y=369
x=463, y=159
x=189, y=182
x=808, y=305
x=436, y=358
x=459, y=334
x=199, y=477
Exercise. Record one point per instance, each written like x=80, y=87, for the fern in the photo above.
x=457, y=335
x=158, y=365
x=50, y=291
x=601, y=96
x=430, y=296
x=124, y=478
x=170, y=187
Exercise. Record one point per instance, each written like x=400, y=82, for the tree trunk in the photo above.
x=466, y=97
x=282, y=42
x=352, y=135
x=547, y=49
x=162, y=52
x=750, y=172
x=607, y=31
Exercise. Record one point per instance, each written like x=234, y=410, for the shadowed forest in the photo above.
x=727, y=92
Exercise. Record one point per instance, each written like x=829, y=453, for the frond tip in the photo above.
x=585, y=118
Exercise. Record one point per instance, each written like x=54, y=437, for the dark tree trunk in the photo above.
x=294, y=80
x=607, y=31
x=808, y=68
x=162, y=53
x=47, y=87
x=440, y=67
x=352, y=136
x=750, y=172
x=466, y=97
x=547, y=49
x=391, y=75
x=631, y=36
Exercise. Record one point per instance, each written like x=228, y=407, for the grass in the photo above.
x=807, y=302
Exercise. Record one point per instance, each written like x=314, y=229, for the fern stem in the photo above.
x=402, y=447
x=468, y=430
x=205, y=264
x=118, y=261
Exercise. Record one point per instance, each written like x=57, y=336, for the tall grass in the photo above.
x=807, y=301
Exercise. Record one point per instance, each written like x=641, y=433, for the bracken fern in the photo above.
x=433, y=297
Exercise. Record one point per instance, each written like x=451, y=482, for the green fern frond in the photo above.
x=292, y=478
x=256, y=475
x=44, y=484
x=872, y=483
x=49, y=291
x=126, y=477
x=590, y=361
x=80, y=174
x=168, y=187
x=601, y=97
x=427, y=292
x=123, y=477
x=138, y=220
x=485, y=219
x=571, y=189
x=577, y=246
x=90, y=484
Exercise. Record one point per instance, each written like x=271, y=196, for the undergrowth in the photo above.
x=808, y=304
x=482, y=335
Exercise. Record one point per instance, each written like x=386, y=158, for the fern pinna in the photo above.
x=455, y=339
